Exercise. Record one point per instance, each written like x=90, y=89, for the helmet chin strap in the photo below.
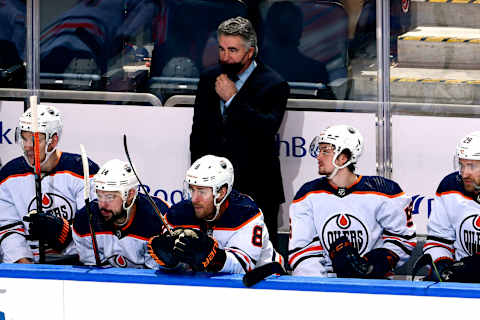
x=217, y=208
x=335, y=171
x=126, y=211
x=48, y=154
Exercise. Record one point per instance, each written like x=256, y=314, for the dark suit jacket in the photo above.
x=246, y=135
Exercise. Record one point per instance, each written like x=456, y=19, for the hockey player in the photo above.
x=123, y=220
x=221, y=230
x=453, y=230
x=61, y=185
x=353, y=225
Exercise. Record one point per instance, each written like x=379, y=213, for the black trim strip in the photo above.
x=406, y=237
x=438, y=239
x=10, y=225
x=400, y=245
x=304, y=258
x=301, y=248
x=242, y=263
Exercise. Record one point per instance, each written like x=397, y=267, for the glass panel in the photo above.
x=97, y=44
x=438, y=54
x=321, y=47
x=189, y=44
x=12, y=42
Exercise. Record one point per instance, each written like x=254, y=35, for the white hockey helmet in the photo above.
x=469, y=147
x=210, y=171
x=341, y=137
x=49, y=123
x=117, y=175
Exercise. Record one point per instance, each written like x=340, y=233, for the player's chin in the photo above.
x=107, y=215
x=200, y=212
x=469, y=186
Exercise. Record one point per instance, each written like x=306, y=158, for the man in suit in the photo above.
x=238, y=110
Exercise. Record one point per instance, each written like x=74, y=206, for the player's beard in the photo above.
x=471, y=185
x=113, y=218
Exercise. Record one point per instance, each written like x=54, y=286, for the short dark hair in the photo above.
x=347, y=153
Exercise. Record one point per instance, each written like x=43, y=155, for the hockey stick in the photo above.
x=38, y=170
x=86, y=192
x=165, y=224
x=258, y=274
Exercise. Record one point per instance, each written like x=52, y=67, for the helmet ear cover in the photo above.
x=210, y=171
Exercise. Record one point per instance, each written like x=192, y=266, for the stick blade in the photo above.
x=258, y=274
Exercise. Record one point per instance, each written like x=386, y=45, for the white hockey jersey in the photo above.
x=372, y=213
x=453, y=229
x=124, y=247
x=240, y=231
x=62, y=195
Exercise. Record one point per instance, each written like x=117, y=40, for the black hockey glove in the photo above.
x=346, y=261
x=465, y=270
x=382, y=260
x=160, y=248
x=200, y=251
x=53, y=230
x=441, y=265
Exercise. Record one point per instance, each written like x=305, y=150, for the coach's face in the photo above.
x=234, y=53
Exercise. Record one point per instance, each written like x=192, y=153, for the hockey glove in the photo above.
x=160, y=248
x=382, y=260
x=438, y=268
x=346, y=261
x=200, y=251
x=53, y=230
x=465, y=270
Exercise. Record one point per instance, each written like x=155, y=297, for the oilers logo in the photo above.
x=344, y=224
x=118, y=261
x=54, y=204
x=469, y=234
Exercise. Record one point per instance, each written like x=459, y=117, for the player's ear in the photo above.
x=53, y=143
x=251, y=53
x=221, y=193
x=341, y=159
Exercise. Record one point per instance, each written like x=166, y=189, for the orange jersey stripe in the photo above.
x=436, y=244
x=316, y=248
x=453, y=192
